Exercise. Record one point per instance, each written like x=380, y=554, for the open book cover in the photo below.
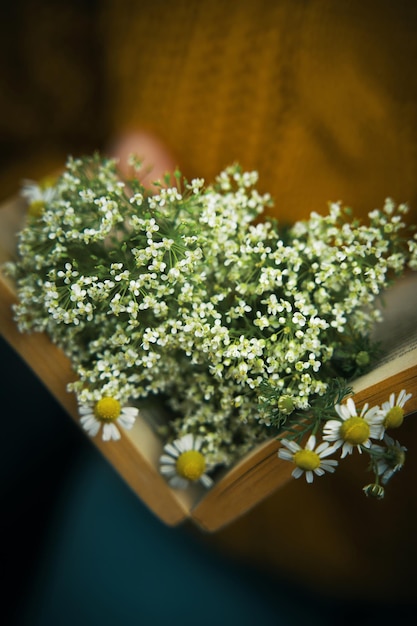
x=260, y=472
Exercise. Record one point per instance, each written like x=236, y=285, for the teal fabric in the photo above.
x=80, y=549
x=108, y=561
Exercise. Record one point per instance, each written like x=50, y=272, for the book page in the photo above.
x=397, y=333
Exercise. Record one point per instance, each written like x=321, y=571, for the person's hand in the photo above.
x=156, y=158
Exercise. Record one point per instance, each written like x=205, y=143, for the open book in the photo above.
x=259, y=473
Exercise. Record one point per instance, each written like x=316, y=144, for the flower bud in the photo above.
x=286, y=404
x=362, y=358
x=374, y=490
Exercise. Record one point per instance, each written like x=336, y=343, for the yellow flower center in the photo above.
x=306, y=459
x=107, y=409
x=394, y=417
x=355, y=430
x=36, y=207
x=191, y=465
x=47, y=181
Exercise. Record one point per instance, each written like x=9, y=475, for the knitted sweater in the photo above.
x=320, y=97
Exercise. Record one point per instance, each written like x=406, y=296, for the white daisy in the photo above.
x=391, y=460
x=37, y=195
x=182, y=463
x=353, y=430
x=308, y=459
x=393, y=409
x=106, y=413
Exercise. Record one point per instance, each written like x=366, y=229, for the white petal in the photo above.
x=386, y=407
x=198, y=442
x=172, y=450
x=324, y=449
x=110, y=431
x=88, y=420
x=186, y=443
x=347, y=449
x=206, y=481
x=84, y=409
x=376, y=432
x=167, y=470
x=329, y=466
x=309, y=476
x=311, y=442
x=130, y=410
x=351, y=407
x=169, y=460
x=331, y=430
x=92, y=428
x=178, y=482
x=403, y=397
x=285, y=454
x=374, y=415
x=126, y=421
x=291, y=445
x=343, y=411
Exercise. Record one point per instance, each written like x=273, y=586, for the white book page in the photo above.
x=397, y=333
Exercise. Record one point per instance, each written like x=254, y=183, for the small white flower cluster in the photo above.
x=183, y=294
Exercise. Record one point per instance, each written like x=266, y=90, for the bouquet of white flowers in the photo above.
x=244, y=329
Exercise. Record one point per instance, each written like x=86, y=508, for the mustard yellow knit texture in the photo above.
x=320, y=97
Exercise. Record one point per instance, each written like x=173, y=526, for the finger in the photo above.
x=156, y=158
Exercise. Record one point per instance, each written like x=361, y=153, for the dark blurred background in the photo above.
x=52, y=98
x=77, y=546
